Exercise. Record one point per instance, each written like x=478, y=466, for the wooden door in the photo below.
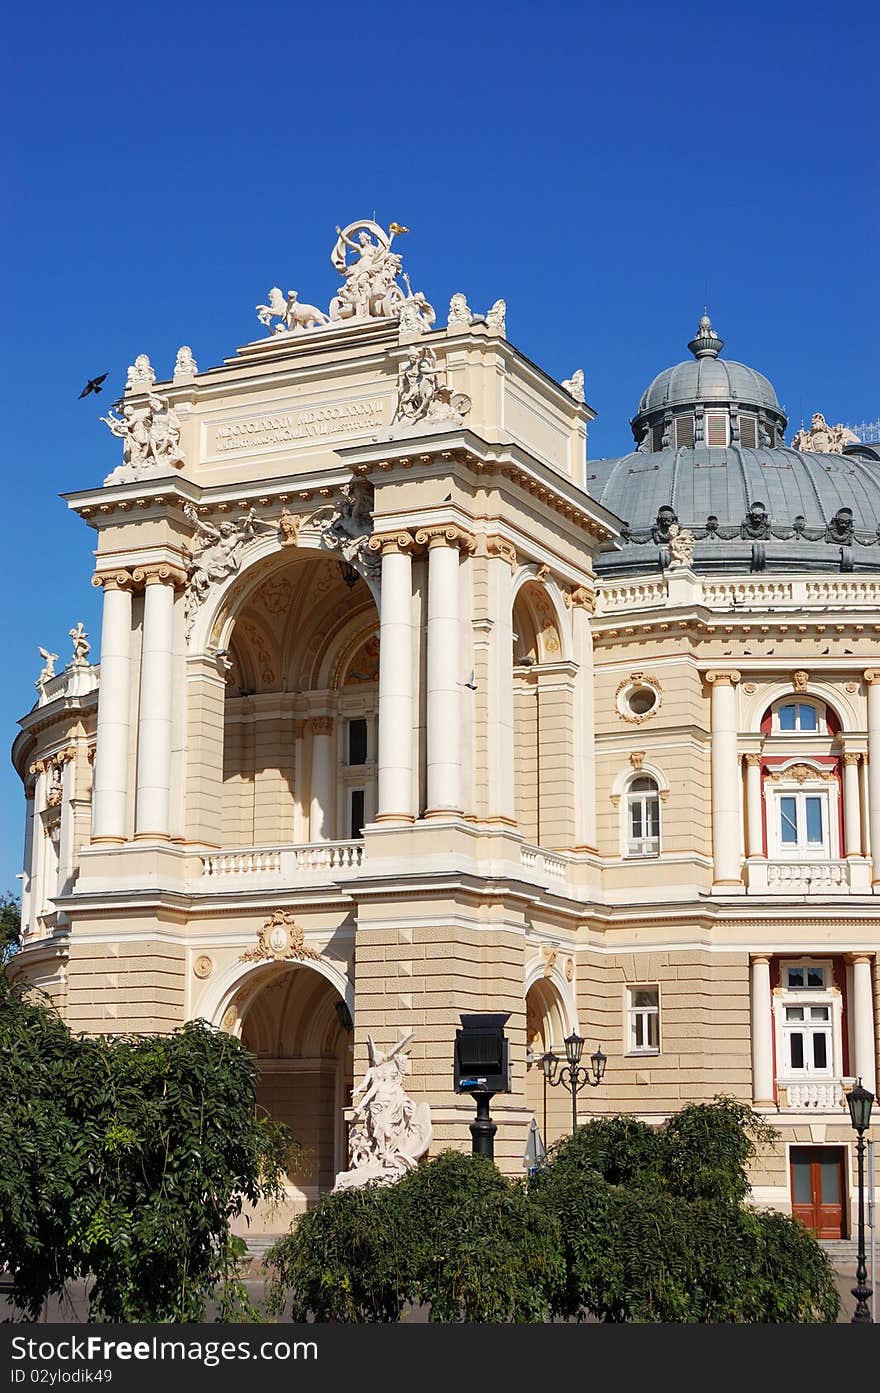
x=817, y=1189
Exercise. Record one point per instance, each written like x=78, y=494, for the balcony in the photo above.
x=841, y=877
x=825, y=1096
x=254, y=867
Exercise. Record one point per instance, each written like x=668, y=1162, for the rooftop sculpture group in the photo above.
x=369, y=268
x=150, y=438
x=822, y=438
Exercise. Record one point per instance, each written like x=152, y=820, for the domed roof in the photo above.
x=749, y=501
x=706, y=380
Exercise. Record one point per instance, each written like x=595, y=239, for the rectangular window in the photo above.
x=643, y=1011
x=802, y=824
x=357, y=742
x=800, y=977
x=807, y=1039
x=356, y=818
x=656, y=438
x=716, y=428
x=684, y=431
x=798, y=716
x=748, y=432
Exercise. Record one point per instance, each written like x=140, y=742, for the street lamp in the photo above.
x=859, y=1101
x=573, y=1075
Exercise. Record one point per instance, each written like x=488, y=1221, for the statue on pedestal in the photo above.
x=388, y=1132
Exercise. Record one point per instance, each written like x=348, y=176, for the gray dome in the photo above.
x=814, y=506
x=710, y=380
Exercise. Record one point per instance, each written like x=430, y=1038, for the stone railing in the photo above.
x=823, y=1097
x=312, y=860
x=610, y=599
x=615, y=597
x=807, y=877
x=537, y=862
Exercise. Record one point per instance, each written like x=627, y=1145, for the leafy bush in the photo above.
x=124, y=1160
x=704, y=1149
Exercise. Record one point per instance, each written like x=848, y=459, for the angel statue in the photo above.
x=218, y=553
x=388, y=1132
x=370, y=290
x=48, y=669
x=81, y=645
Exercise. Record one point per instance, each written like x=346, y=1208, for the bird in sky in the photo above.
x=93, y=385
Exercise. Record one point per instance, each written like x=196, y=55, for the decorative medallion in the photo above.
x=281, y=939
x=638, y=697
x=750, y=688
x=203, y=965
x=852, y=687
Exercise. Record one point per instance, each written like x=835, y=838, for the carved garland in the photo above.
x=800, y=773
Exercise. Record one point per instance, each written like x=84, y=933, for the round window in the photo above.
x=641, y=700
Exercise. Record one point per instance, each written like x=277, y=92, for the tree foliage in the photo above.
x=10, y=925
x=123, y=1160
x=625, y=1222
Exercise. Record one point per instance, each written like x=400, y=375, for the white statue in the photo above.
x=822, y=438
x=150, y=440
x=388, y=1132
x=140, y=374
x=459, y=311
x=217, y=556
x=291, y=312
x=416, y=315
x=422, y=396
x=496, y=317
x=574, y=385
x=370, y=290
x=349, y=526
x=48, y=669
x=185, y=364
x=81, y=645
x=681, y=547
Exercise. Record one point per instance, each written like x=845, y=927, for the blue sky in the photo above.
x=606, y=169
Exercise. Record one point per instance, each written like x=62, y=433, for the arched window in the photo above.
x=643, y=817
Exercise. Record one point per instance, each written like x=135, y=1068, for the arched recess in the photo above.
x=290, y=1016
x=549, y=1018
x=288, y=630
x=543, y=716
x=849, y=709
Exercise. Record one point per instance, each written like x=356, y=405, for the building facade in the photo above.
x=405, y=709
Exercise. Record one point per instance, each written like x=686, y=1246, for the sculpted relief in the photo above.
x=822, y=438
x=150, y=436
x=388, y=1132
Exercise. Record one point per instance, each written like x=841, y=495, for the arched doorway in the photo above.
x=298, y=1027
x=542, y=718
x=546, y=1029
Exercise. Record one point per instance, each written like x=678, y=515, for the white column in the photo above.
x=395, y=681
x=872, y=680
x=321, y=802
x=501, y=803
x=110, y=790
x=582, y=600
x=300, y=833
x=153, y=802
x=762, y=1032
x=443, y=678
x=40, y=856
x=864, y=1061
x=66, y=844
x=726, y=779
x=27, y=882
x=754, y=810
x=852, y=808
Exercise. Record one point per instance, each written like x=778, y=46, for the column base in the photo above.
x=152, y=837
x=442, y=812
x=394, y=817
x=107, y=841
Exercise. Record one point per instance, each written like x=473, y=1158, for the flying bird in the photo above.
x=470, y=682
x=93, y=385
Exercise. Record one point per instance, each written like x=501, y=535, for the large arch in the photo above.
x=550, y=1016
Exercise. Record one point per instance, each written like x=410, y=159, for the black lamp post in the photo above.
x=573, y=1075
x=859, y=1101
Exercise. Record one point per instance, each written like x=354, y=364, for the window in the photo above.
x=806, y=1036
x=643, y=1020
x=748, y=432
x=357, y=742
x=643, y=818
x=716, y=428
x=356, y=812
x=657, y=433
x=809, y=978
x=802, y=824
x=684, y=431
x=797, y=716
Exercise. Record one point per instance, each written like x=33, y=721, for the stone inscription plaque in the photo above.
x=298, y=426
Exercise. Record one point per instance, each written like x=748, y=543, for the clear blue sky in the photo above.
x=604, y=168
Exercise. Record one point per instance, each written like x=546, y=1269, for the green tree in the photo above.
x=10, y=926
x=123, y=1160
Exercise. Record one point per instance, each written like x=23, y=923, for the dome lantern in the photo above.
x=707, y=344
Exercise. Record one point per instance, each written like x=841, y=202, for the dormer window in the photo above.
x=684, y=431
x=748, y=432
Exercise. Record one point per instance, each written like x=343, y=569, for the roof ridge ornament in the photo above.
x=706, y=344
